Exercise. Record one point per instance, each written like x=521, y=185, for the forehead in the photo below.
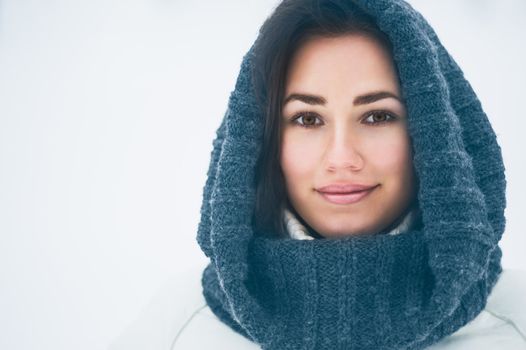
x=352, y=60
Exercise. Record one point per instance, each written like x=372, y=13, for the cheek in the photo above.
x=392, y=154
x=298, y=159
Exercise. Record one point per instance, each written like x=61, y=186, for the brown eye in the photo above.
x=309, y=120
x=379, y=117
x=306, y=120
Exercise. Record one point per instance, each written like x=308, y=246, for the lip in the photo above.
x=345, y=193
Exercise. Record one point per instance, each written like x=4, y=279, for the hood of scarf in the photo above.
x=403, y=291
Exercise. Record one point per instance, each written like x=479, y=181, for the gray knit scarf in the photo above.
x=404, y=291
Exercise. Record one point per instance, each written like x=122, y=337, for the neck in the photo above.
x=297, y=228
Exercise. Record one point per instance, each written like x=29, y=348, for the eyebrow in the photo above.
x=359, y=100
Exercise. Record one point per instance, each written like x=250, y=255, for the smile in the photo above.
x=346, y=198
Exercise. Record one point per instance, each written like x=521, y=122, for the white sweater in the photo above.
x=179, y=319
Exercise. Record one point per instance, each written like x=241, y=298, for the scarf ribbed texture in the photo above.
x=404, y=291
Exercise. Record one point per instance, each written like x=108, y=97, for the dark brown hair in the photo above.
x=289, y=26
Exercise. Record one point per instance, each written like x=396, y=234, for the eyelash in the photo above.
x=392, y=118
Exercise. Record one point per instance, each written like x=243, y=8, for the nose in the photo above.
x=343, y=151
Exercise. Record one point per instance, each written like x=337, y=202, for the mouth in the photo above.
x=346, y=197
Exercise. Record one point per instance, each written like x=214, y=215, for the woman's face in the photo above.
x=344, y=125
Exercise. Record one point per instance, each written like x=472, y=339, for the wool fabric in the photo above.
x=404, y=291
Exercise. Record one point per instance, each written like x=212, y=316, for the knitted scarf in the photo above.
x=404, y=291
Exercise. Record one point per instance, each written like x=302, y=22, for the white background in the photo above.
x=107, y=114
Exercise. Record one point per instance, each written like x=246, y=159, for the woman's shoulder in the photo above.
x=179, y=319
x=165, y=314
x=502, y=323
x=204, y=330
x=508, y=298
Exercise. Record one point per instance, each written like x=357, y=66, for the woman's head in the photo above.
x=343, y=124
x=334, y=116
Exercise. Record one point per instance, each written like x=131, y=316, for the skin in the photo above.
x=339, y=142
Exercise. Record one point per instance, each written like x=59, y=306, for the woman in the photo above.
x=355, y=196
x=356, y=191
